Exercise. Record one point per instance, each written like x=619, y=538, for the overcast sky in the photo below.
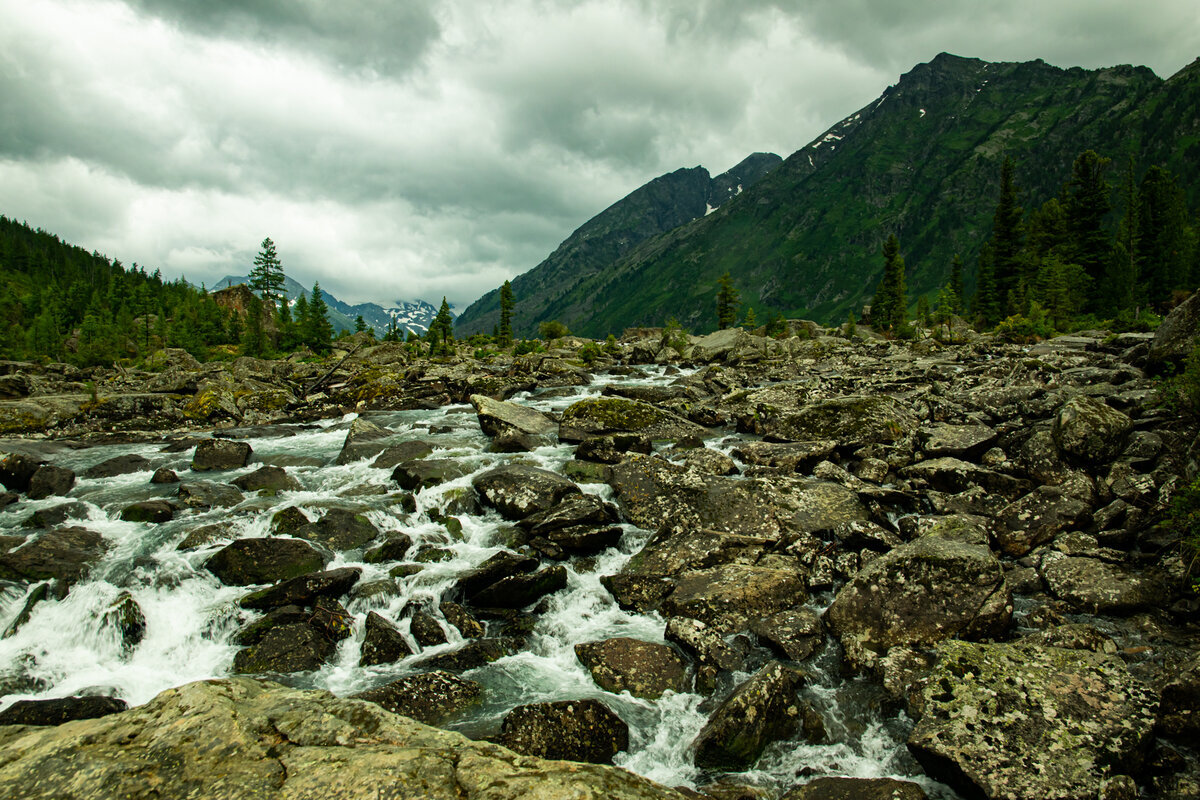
x=421, y=148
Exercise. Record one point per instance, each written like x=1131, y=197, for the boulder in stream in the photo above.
x=220, y=454
x=271, y=479
x=247, y=562
x=65, y=554
x=761, y=710
x=644, y=669
x=518, y=490
x=118, y=465
x=339, y=529
x=60, y=709
x=50, y=481
x=303, y=590
x=571, y=730
x=429, y=697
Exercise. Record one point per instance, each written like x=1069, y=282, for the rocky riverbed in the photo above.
x=743, y=567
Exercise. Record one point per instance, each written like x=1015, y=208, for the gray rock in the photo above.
x=148, y=511
x=1029, y=723
x=164, y=475
x=761, y=710
x=644, y=669
x=1037, y=518
x=339, y=529
x=1098, y=587
x=852, y=421
x=518, y=491
x=500, y=417
x=959, y=441
x=613, y=448
x=571, y=730
x=729, y=597
x=272, y=479
x=206, y=494
x=604, y=415
x=427, y=472
x=785, y=456
x=50, y=481
x=796, y=633
x=1176, y=336
x=949, y=474
x=220, y=454
x=247, y=562
x=118, y=465
x=857, y=789
x=66, y=554
x=1179, y=709
x=365, y=439
x=1091, y=433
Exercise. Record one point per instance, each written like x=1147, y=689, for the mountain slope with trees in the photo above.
x=923, y=163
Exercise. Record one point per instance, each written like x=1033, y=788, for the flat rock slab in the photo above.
x=243, y=737
x=500, y=416
x=603, y=415
x=1098, y=587
x=1030, y=723
x=60, y=710
x=304, y=590
x=644, y=669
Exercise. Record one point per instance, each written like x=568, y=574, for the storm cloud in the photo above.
x=437, y=147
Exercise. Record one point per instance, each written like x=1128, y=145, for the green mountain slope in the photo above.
x=922, y=162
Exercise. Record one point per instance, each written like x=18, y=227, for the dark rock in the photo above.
x=394, y=548
x=1091, y=433
x=428, y=472
x=761, y=710
x=125, y=616
x=57, y=515
x=729, y=596
x=574, y=510
x=864, y=534
x=205, y=535
x=518, y=591
x=247, y=562
x=60, y=710
x=286, y=648
x=331, y=619
x=852, y=422
x=857, y=789
x=429, y=697
x=1179, y=709
x=220, y=454
x=494, y=568
x=8, y=498
x=472, y=654
x=460, y=618
x=339, y=529
x=276, y=617
x=948, y=474
x=1098, y=587
x=148, y=511
x=118, y=465
x=425, y=629
x=704, y=643
x=50, y=481
x=400, y=452
x=960, y=441
x=796, y=633
x=785, y=456
x=705, y=461
x=36, y=595
x=996, y=719
x=644, y=669
x=382, y=643
x=272, y=479
x=65, y=555
x=570, y=730
x=16, y=470
x=303, y=590
x=613, y=448
x=206, y=494
x=164, y=475
x=1037, y=518
x=518, y=491
x=1176, y=336
x=288, y=520
x=918, y=594
x=365, y=439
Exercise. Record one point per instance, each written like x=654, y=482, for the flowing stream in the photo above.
x=72, y=646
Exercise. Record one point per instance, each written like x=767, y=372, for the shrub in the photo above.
x=1185, y=517
x=590, y=352
x=1020, y=329
x=553, y=329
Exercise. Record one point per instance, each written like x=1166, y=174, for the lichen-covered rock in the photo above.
x=474, y=653
x=928, y=590
x=959, y=441
x=1179, y=710
x=429, y=697
x=850, y=421
x=339, y=529
x=420, y=473
x=1098, y=587
x=1090, y=432
x=65, y=554
x=571, y=730
x=220, y=454
x=518, y=490
x=1176, y=336
x=598, y=416
x=1037, y=518
x=503, y=418
x=644, y=669
x=297, y=647
x=518, y=591
x=382, y=643
x=207, y=494
x=1030, y=723
x=247, y=562
x=496, y=567
x=796, y=633
x=249, y=738
x=857, y=789
x=365, y=439
x=148, y=511
x=761, y=710
x=730, y=596
x=948, y=474
x=785, y=456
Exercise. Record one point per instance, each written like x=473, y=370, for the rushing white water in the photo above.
x=67, y=646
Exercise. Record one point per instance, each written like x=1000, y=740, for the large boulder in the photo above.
x=65, y=554
x=1176, y=337
x=365, y=439
x=17, y=469
x=298, y=647
x=496, y=567
x=248, y=562
x=1030, y=723
x=959, y=441
x=60, y=710
x=1091, y=433
x=220, y=454
x=208, y=494
x=268, y=478
x=382, y=643
x=429, y=697
x=518, y=490
x=118, y=465
x=730, y=596
x=761, y=710
x=571, y=730
x=421, y=473
x=518, y=591
x=50, y=481
x=857, y=789
x=644, y=669
x=303, y=590
x=851, y=421
x=1038, y=517
x=598, y=416
x=928, y=590
x=339, y=529
x=730, y=346
x=243, y=737
x=500, y=418
x=1098, y=587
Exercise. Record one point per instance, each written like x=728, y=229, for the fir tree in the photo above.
x=441, y=331
x=360, y=324
x=728, y=302
x=266, y=277
x=1162, y=234
x=254, y=338
x=504, y=336
x=956, y=284
x=923, y=311
x=1008, y=270
x=888, y=307
x=986, y=303
x=318, y=332
x=751, y=321
x=1121, y=283
x=1085, y=206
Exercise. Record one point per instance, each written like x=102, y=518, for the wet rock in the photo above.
x=644, y=669
x=570, y=730
x=796, y=633
x=499, y=418
x=395, y=454
x=706, y=461
x=729, y=596
x=331, y=619
x=606, y=415
x=118, y=465
x=148, y=511
x=786, y=456
x=8, y=498
x=50, y=481
x=288, y=520
x=494, y=568
x=247, y=562
x=285, y=648
x=761, y=710
x=365, y=439
x=1073, y=636
x=394, y=548
x=928, y=590
x=458, y=617
x=220, y=454
x=276, y=617
x=574, y=510
x=1037, y=518
x=428, y=472
x=303, y=590
x=864, y=534
x=60, y=710
x=472, y=654
x=964, y=528
x=1098, y=587
x=429, y=697
x=382, y=643
x=271, y=479
x=1090, y=432
x=852, y=421
x=250, y=738
x=65, y=555
x=164, y=475
x=1179, y=709
x=425, y=629
x=1006, y=721
x=857, y=789
x=339, y=529
x=57, y=515
x=613, y=448
x=125, y=617
x=206, y=494
x=705, y=645
x=16, y=470
x=36, y=595
x=518, y=491
x=518, y=591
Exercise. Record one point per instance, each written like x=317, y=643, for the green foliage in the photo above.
x=1020, y=329
x=776, y=326
x=551, y=330
x=675, y=337
x=590, y=352
x=611, y=347
x=441, y=332
x=316, y=331
x=254, y=337
x=1184, y=517
x=266, y=276
x=728, y=302
x=751, y=320
x=851, y=325
x=889, y=306
x=1181, y=392
x=923, y=314
x=527, y=346
x=504, y=332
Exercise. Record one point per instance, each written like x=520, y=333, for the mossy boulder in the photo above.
x=572, y=730
x=644, y=669
x=1090, y=433
x=852, y=421
x=604, y=415
x=759, y=711
x=247, y=562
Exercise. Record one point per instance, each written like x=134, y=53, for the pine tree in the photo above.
x=1085, y=206
x=1007, y=266
x=751, y=321
x=254, y=339
x=266, y=277
x=1121, y=283
x=1162, y=233
x=728, y=302
x=318, y=333
x=956, y=284
x=441, y=331
x=504, y=336
x=889, y=306
x=360, y=324
x=923, y=311
x=986, y=303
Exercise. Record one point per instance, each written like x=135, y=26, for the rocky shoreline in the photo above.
x=980, y=530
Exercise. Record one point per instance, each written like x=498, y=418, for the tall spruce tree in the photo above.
x=318, y=332
x=890, y=304
x=504, y=334
x=1162, y=259
x=1008, y=268
x=1086, y=203
x=441, y=331
x=728, y=302
x=956, y=284
x=1121, y=286
x=266, y=277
